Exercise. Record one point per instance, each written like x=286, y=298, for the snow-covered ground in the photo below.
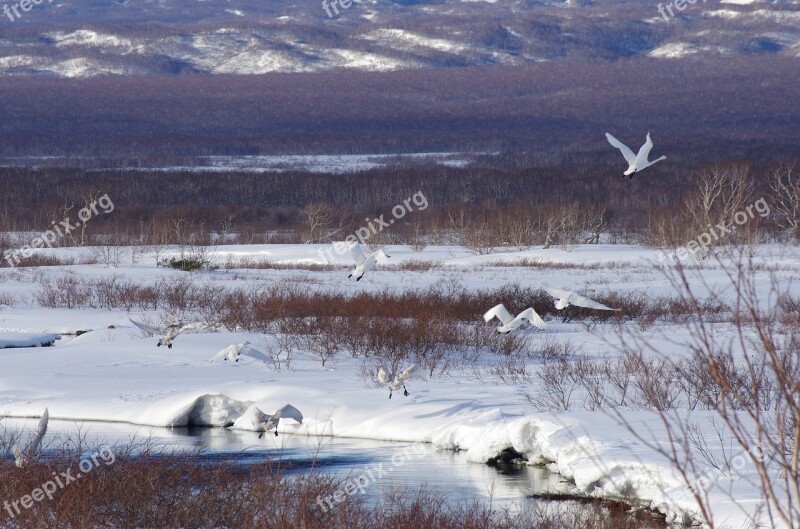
x=313, y=163
x=116, y=373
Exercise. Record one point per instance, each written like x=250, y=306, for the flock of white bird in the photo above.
x=563, y=299
x=364, y=262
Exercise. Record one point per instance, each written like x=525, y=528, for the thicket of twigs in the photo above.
x=147, y=487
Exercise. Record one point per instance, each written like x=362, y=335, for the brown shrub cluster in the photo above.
x=262, y=309
x=158, y=490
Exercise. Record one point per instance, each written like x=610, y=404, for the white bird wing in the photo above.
x=255, y=353
x=148, y=328
x=644, y=152
x=414, y=371
x=287, y=412
x=530, y=315
x=499, y=312
x=358, y=254
x=624, y=149
x=223, y=353
x=190, y=327
x=557, y=293
x=384, y=377
x=582, y=301
x=259, y=417
x=41, y=430
x=19, y=457
x=380, y=256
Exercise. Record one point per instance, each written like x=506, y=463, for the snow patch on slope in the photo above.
x=89, y=38
x=676, y=50
x=367, y=61
x=407, y=41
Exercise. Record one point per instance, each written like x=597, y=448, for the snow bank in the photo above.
x=10, y=340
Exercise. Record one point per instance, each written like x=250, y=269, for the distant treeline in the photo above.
x=699, y=110
x=479, y=207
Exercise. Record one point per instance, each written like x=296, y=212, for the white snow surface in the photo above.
x=115, y=373
x=15, y=339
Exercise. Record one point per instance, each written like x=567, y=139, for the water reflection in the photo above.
x=394, y=467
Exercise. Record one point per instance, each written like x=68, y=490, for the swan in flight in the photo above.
x=636, y=162
x=509, y=322
x=398, y=381
x=565, y=298
x=364, y=262
x=170, y=332
x=234, y=351
x=23, y=457
x=264, y=423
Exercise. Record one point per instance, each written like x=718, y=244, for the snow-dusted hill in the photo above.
x=76, y=38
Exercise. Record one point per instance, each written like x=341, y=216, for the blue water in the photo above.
x=382, y=469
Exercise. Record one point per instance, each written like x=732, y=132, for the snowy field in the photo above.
x=114, y=372
x=312, y=163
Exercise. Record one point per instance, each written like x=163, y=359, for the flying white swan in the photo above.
x=170, y=332
x=234, y=351
x=264, y=423
x=364, y=262
x=636, y=162
x=398, y=381
x=509, y=322
x=23, y=457
x=565, y=298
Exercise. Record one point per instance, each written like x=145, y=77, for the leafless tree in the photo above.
x=785, y=186
x=473, y=231
x=721, y=193
x=317, y=219
x=595, y=220
x=560, y=225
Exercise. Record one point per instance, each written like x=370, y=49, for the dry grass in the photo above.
x=37, y=260
x=539, y=264
x=263, y=308
x=268, y=264
x=154, y=490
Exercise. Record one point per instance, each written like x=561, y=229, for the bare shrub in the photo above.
x=323, y=341
x=67, y=291
x=557, y=376
x=655, y=381
x=512, y=370
x=619, y=374
x=178, y=293
x=280, y=349
x=416, y=265
x=6, y=299
x=749, y=379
